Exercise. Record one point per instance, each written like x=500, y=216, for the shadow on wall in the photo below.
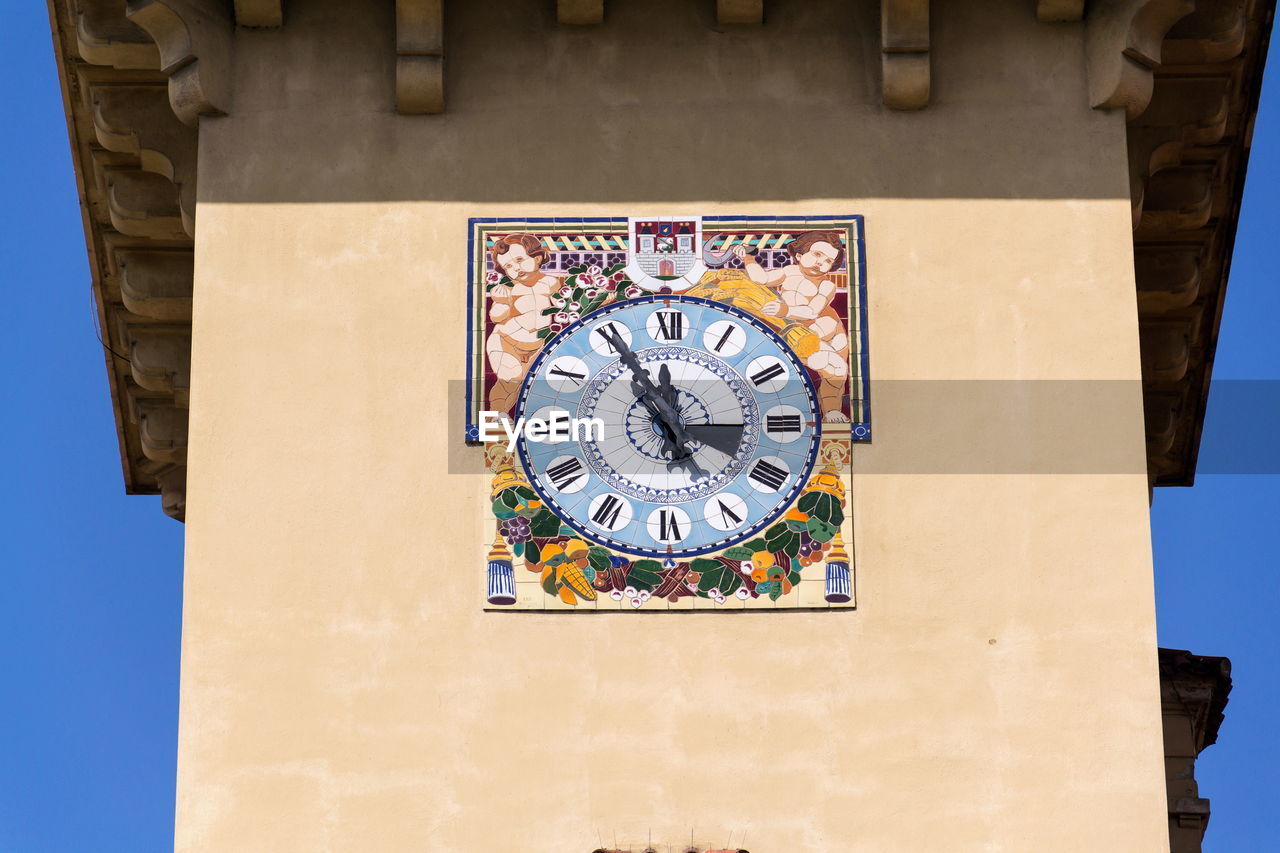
x=661, y=103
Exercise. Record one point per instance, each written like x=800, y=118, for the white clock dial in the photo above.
x=710, y=426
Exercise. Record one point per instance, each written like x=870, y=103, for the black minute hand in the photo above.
x=653, y=399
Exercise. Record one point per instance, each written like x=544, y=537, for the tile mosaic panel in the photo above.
x=727, y=357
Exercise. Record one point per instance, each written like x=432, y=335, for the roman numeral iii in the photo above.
x=768, y=475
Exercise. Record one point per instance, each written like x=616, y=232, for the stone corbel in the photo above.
x=904, y=58
x=1179, y=199
x=1123, y=41
x=739, y=11
x=1215, y=32
x=162, y=432
x=419, y=57
x=195, y=39
x=580, y=13
x=259, y=13
x=141, y=204
x=1160, y=416
x=1059, y=11
x=137, y=120
x=1184, y=111
x=1168, y=278
x=160, y=360
x=104, y=36
x=173, y=491
x=156, y=284
x=1165, y=348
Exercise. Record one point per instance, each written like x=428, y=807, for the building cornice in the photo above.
x=138, y=75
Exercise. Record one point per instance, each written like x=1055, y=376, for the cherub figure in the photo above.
x=804, y=297
x=517, y=313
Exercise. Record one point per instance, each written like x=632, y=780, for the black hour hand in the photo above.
x=723, y=437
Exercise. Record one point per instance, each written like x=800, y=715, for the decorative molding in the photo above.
x=172, y=483
x=1178, y=199
x=160, y=360
x=162, y=432
x=738, y=11
x=1183, y=111
x=137, y=120
x=1214, y=32
x=1059, y=11
x=1168, y=277
x=142, y=204
x=195, y=41
x=904, y=53
x=1123, y=42
x=263, y=14
x=419, y=57
x=156, y=284
x=1166, y=350
x=105, y=37
x=1194, y=692
x=580, y=13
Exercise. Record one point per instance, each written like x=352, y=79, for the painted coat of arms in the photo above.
x=678, y=398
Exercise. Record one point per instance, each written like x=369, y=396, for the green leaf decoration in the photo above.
x=566, y=530
x=509, y=497
x=645, y=574
x=786, y=542
x=825, y=507
x=796, y=526
x=739, y=553
x=557, y=559
x=775, y=531
x=711, y=579
x=823, y=531
x=599, y=558
x=755, y=545
x=503, y=511
x=544, y=332
x=807, y=500
x=643, y=580
x=794, y=578
x=729, y=583
x=549, y=584
x=526, y=493
x=517, y=549
x=705, y=564
x=531, y=552
x=776, y=592
x=544, y=524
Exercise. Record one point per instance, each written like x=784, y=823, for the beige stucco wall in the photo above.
x=342, y=689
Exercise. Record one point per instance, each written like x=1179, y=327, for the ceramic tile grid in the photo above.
x=537, y=561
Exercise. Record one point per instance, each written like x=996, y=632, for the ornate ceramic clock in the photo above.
x=704, y=380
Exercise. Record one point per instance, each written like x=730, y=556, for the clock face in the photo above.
x=708, y=426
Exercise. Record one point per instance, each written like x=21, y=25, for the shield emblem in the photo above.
x=665, y=252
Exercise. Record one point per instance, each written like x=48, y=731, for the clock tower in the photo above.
x=881, y=318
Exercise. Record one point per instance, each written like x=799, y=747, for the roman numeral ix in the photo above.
x=565, y=473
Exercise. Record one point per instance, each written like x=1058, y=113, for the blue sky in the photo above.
x=92, y=606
